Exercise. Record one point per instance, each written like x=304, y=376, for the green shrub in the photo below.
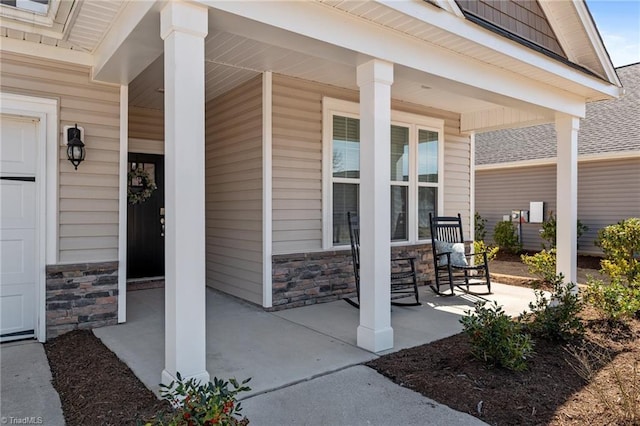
x=555, y=318
x=616, y=301
x=479, y=247
x=480, y=227
x=542, y=265
x=548, y=232
x=496, y=339
x=621, y=246
x=212, y=404
x=505, y=235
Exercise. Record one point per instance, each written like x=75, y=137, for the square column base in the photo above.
x=375, y=340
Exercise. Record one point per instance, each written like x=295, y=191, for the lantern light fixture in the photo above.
x=75, y=146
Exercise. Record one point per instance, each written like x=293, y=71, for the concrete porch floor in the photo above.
x=278, y=349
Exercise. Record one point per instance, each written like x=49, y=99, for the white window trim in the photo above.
x=332, y=106
x=45, y=110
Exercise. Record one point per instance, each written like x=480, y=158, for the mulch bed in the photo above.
x=95, y=387
x=583, y=261
x=550, y=392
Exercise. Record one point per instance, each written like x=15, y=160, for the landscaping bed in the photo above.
x=552, y=391
x=95, y=387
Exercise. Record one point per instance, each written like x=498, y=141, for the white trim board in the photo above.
x=45, y=110
x=122, y=204
x=267, y=188
x=619, y=155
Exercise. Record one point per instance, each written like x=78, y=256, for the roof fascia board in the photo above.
x=596, y=41
x=46, y=52
x=114, y=48
x=606, y=156
x=476, y=34
x=374, y=40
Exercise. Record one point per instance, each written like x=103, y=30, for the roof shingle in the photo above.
x=609, y=126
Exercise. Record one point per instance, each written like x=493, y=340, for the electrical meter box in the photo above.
x=537, y=211
x=520, y=216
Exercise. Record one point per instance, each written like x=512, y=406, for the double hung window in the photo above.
x=415, y=179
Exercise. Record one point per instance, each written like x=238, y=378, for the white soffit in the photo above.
x=398, y=16
x=73, y=25
x=232, y=59
x=578, y=37
x=92, y=22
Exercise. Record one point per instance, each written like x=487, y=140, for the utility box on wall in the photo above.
x=536, y=212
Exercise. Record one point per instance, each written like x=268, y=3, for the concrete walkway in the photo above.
x=26, y=393
x=354, y=396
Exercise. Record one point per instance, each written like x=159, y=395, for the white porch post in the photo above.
x=374, y=79
x=183, y=29
x=567, y=195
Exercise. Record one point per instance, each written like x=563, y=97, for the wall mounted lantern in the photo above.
x=75, y=146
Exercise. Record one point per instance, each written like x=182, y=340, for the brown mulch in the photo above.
x=508, y=268
x=550, y=392
x=95, y=387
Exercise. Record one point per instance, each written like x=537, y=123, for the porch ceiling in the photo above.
x=232, y=59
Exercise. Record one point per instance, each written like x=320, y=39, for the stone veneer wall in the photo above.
x=81, y=296
x=307, y=278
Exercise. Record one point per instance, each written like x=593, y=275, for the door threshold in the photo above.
x=146, y=283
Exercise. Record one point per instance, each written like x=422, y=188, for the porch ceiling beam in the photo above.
x=375, y=41
x=131, y=44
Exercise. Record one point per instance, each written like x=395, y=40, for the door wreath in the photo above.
x=140, y=186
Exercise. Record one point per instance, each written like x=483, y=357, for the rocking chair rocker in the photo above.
x=403, y=270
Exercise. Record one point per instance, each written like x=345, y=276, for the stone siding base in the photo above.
x=81, y=296
x=308, y=278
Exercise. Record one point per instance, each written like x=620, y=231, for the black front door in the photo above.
x=145, y=220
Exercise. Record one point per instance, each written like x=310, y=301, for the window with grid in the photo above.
x=415, y=179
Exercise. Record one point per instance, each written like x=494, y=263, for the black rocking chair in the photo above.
x=452, y=265
x=403, y=270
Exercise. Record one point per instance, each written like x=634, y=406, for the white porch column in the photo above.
x=183, y=29
x=567, y=195
x=374, y=79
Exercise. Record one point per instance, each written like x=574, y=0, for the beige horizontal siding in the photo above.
x=607, y=193
x=88, y=197
x=146, y=123
x=297, y=161
x=234, y=191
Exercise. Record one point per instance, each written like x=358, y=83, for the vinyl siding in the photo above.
x=234, y=191
x=297, y=161
x=88, y=197
x=607, y=193
x=146, y=130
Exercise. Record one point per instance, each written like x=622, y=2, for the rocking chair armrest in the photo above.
x=412, y=259
x=444, y=253
x=480, y=253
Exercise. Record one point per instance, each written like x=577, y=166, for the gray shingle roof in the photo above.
x=609, y=126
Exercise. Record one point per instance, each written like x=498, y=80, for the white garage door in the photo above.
x=18, y=157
